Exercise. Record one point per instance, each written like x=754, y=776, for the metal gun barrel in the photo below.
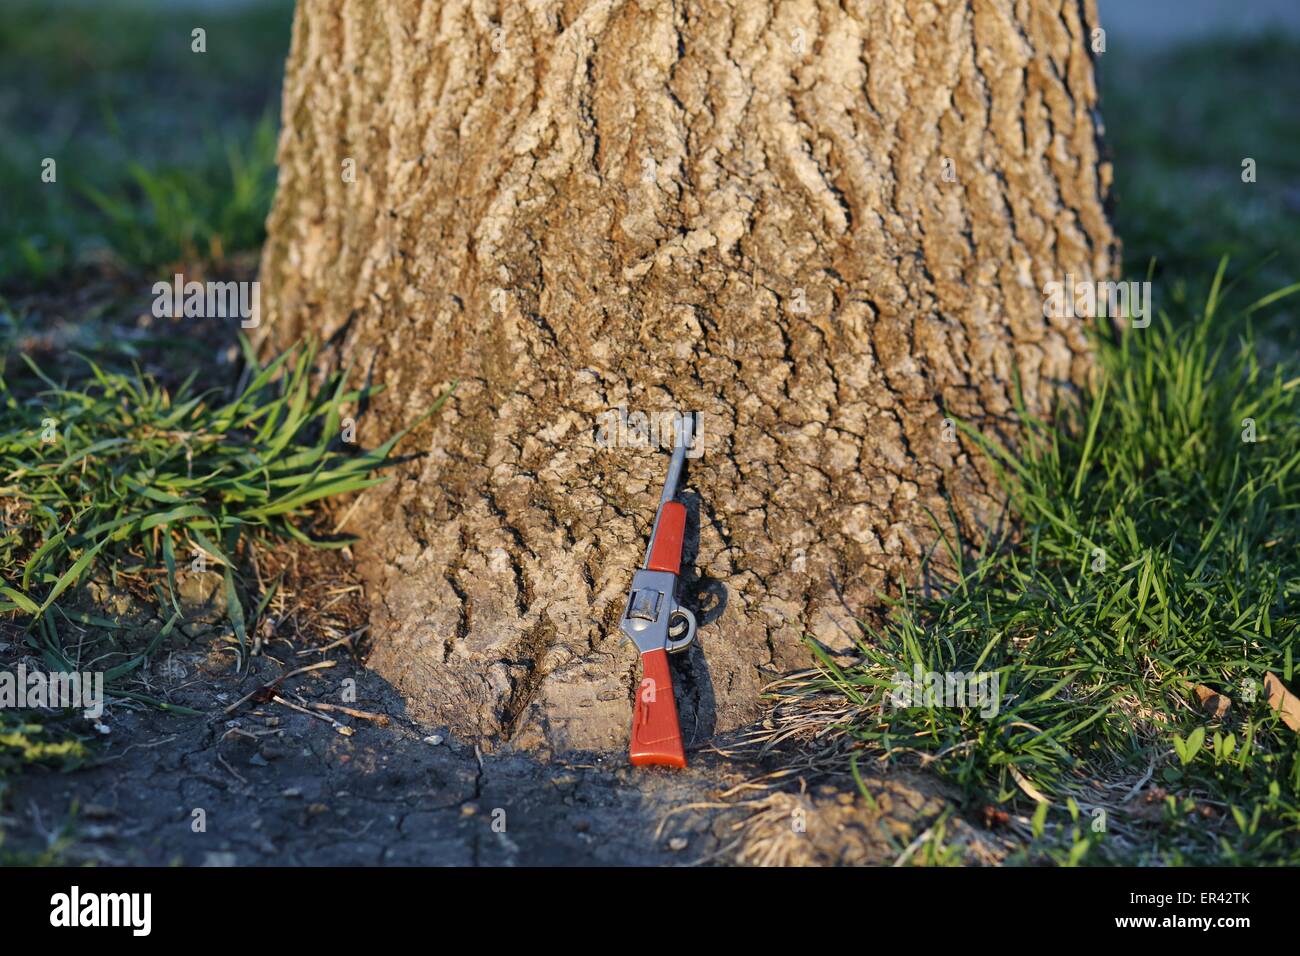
x=683, y=438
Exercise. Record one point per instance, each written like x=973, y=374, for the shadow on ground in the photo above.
x=267, y=784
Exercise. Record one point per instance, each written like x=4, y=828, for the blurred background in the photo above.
x=165, y=156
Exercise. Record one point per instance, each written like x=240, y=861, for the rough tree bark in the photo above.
x=823, y=225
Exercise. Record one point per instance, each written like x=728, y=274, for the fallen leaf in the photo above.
x=1023, y=783
x=1212, y=702
x=1282, y=700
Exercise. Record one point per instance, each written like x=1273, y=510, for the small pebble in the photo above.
x=677, y=844
x=433, y=740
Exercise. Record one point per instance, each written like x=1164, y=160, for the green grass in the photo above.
x=163, y=155
x=1179, y=122
x=1156, y=550
x=113, y=476
x=157, y=216
x=28, y=741
x=116, y=471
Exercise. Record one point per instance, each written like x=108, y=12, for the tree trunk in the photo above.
x=824, y=226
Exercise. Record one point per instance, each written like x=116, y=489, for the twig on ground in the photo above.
x=267, y=688
x=339, y=728
x=380, y=719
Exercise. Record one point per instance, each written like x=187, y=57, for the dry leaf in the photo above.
x=1282, y=700
x=1023, y=782
x=1212, y=702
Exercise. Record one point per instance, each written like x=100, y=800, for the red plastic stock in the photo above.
x=656, y=735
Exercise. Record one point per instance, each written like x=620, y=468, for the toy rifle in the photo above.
x=658, y=625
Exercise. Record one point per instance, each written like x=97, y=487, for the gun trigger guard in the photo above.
x=674, y=645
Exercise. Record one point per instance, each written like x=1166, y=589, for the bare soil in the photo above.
x=270, y=785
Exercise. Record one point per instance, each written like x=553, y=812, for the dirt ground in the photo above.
x=276, y=786
x=270, y=785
